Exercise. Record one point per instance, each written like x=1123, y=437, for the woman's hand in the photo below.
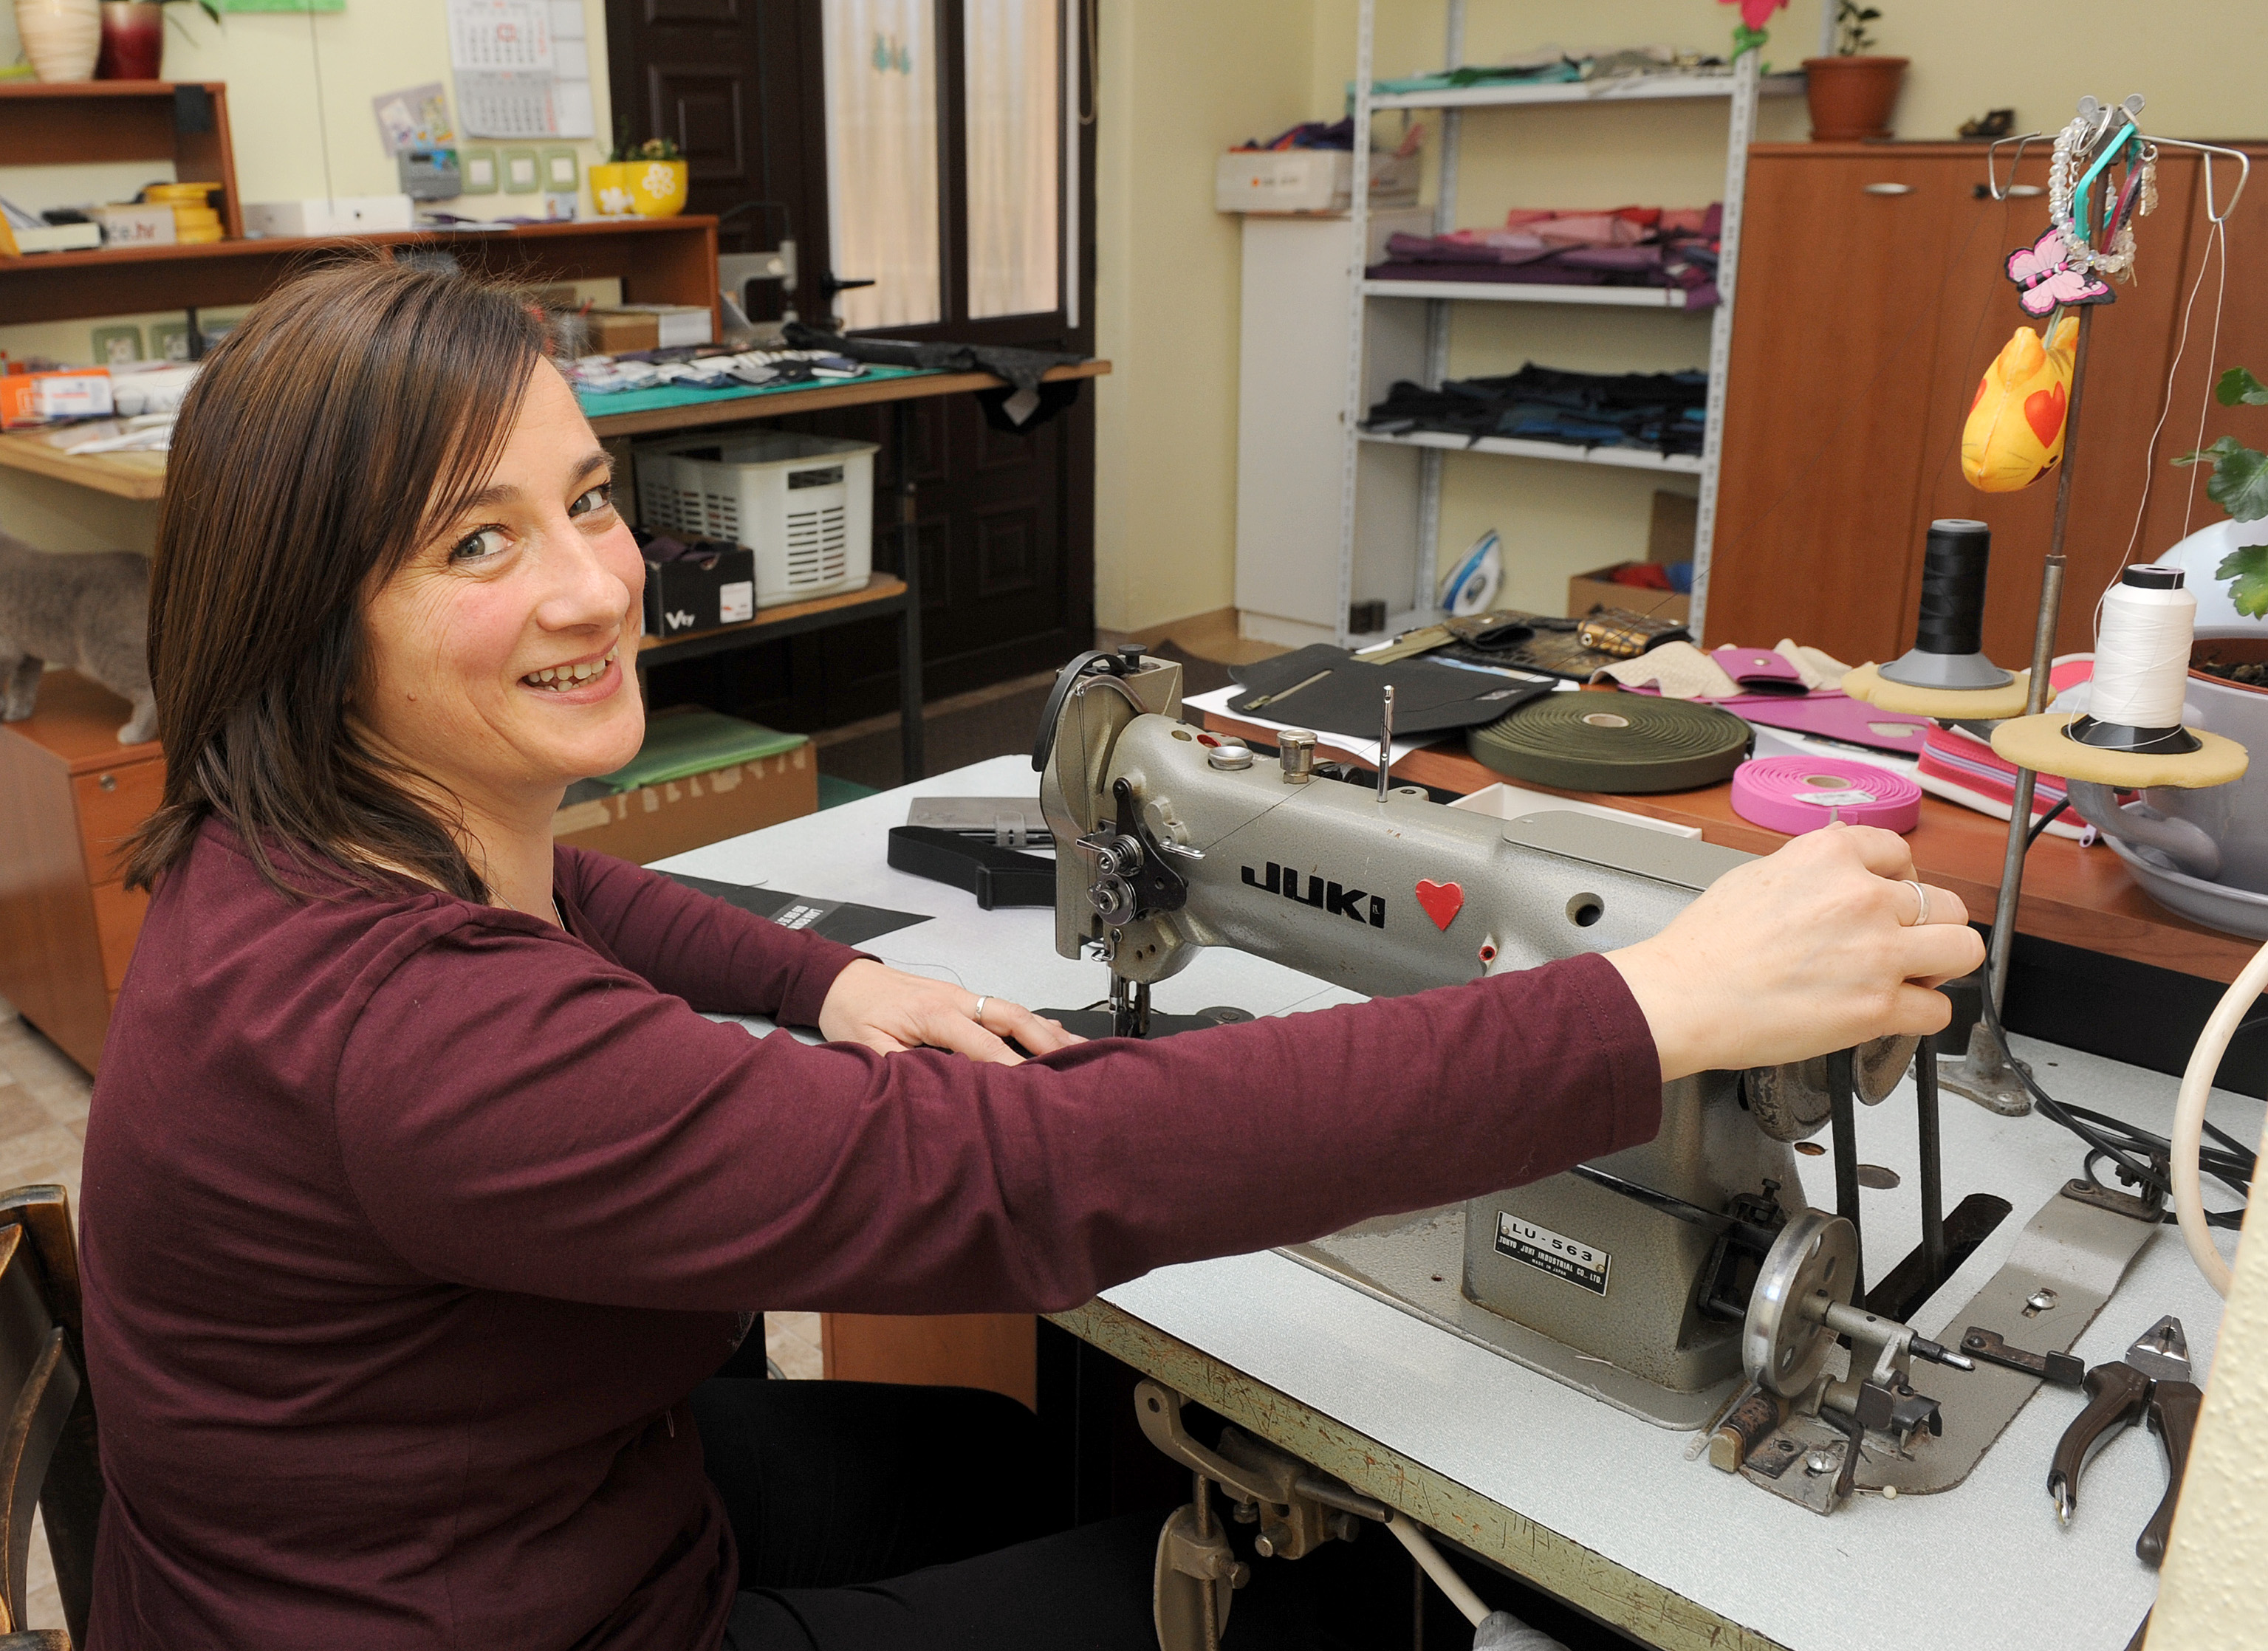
x=1812, y=949
x=887, y=1010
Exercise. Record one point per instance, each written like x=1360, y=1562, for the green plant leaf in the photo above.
x=2238, y=385
x=2246, y=569
x=2240, y=477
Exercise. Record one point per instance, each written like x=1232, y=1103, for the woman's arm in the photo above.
x=514, y=1113
x=717, y=957
x=727, y=961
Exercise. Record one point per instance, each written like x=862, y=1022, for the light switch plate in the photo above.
x=478, y=168
x=523, y=171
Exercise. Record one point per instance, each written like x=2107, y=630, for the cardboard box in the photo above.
x=1669, y=539
x=656, y=821
x=699, y=593
x=618, y=332
x=128, y=225
x=345, y=215
x=30, y=399
x=1309, y=181
x=677, y=324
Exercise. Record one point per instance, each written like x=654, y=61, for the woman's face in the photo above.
x=500, y=652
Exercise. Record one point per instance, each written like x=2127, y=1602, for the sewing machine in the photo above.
x=1661, y=1279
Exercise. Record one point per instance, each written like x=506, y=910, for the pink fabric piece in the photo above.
x=1758, y=667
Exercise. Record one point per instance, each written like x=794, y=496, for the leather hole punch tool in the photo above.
x=2151, y=1383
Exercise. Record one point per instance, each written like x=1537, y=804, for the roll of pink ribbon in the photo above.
x=1801, y=794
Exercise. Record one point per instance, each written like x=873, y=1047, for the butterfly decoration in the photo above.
x=2044, y=271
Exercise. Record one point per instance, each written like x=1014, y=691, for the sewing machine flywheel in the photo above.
x=1783, y=1342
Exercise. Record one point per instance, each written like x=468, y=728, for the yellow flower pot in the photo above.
x=610, y=187
x=656, y=186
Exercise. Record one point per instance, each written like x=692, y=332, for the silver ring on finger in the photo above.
x=1921, y=906
x=978, y=1014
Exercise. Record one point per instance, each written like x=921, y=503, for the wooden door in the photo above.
x=1007, y=524
x=735, y=83
x=1828, y=396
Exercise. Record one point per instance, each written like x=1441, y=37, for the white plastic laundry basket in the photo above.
x=804, y=504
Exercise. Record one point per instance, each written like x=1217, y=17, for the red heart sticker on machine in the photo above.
x=1442, y=902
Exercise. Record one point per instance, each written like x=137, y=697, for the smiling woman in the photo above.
x=425, y=1205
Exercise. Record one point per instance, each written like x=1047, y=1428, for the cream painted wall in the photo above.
x=271, y=63
x=1181, y=81
x=1559, y=519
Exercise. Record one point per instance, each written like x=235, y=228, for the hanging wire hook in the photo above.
x=1992, y=162
x=2243, y=175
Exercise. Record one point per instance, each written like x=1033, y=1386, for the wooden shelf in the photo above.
x=2078, y=897
x=126, y=475
x=69, y=123
x=659, y=260
x=881, y=592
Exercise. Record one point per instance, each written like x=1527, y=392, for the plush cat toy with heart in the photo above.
x=2014, y=433
x=89, y=612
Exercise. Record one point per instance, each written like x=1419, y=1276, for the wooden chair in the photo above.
x=48, y=1457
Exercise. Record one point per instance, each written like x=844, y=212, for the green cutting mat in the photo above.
x=679, y=395
x=679, y=743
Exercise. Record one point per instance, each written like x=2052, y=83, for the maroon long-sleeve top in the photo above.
x=410, y=1224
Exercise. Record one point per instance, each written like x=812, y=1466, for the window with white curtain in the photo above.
x=1011, y=81
x=882, y=160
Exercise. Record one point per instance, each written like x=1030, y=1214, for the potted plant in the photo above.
x=134, y=37
x=648, y=178
x=1851, y=93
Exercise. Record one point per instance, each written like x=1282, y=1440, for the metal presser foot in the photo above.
x=1987, y=1075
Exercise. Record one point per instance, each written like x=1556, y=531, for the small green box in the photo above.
x=478, y=166
x=114, y=345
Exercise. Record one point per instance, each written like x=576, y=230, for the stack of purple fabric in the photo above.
x=1632, y=247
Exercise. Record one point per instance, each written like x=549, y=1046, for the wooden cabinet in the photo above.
x=68, y=794
x=998, y=1351
x=1872, y=298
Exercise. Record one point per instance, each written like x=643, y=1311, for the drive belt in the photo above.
x=1613, y=742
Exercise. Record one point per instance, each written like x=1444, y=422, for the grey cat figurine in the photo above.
x=91, y=612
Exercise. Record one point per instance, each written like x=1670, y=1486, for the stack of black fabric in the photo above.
x=1662, y=411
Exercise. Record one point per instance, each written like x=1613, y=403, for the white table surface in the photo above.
x=1985, y=1564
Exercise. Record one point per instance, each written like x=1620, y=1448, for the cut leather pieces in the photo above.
x=1789, y=686
x=1428, y=699
x=1642, y=246
x=1661, y=411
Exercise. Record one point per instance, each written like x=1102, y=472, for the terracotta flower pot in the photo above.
x=133, y=41
x=1850, y=97
x=63, y=37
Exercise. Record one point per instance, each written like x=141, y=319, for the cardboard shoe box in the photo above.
x=699, y=592
x=656, y=821
x=1309, y=181
x=1669, y=539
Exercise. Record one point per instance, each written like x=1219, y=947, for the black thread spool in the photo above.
x=1948, y=636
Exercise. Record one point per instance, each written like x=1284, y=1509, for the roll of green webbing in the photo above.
x=1613, y=742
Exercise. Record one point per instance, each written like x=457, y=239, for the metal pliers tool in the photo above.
x=2152, y=1382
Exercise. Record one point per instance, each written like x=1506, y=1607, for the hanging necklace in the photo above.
x=2140, y=195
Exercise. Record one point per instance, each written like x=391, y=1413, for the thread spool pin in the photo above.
x=2141, y=665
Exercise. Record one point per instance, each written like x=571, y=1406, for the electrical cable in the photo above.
x=2117, y=1141
x=2043, y=822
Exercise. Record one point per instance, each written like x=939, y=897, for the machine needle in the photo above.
x=1385, y=744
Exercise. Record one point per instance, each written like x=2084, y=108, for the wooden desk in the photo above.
x=143, y=475
x=69, y=792
x=132, y=475
x=2079, y=897
x=772, y=404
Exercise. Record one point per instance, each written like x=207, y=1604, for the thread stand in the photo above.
x=1986, y=1071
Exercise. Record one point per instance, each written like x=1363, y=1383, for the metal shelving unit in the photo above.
x=1740, y=86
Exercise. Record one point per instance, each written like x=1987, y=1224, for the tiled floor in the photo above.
x=42, y=1126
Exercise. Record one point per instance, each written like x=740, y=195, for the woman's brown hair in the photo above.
x=341, y=425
